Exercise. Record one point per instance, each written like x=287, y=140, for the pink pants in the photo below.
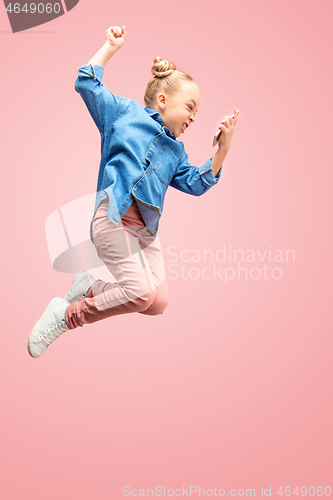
x=134, y=257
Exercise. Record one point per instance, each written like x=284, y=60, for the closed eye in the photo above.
x=191, y=107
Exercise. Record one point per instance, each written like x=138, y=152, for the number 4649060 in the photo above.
x=41, y=8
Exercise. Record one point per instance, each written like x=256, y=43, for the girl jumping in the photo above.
x=140, y=158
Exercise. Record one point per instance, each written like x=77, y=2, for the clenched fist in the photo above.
x=115, y=36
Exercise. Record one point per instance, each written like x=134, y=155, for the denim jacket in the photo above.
x=140, y=157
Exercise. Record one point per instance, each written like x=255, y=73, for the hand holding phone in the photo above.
x=229, y=123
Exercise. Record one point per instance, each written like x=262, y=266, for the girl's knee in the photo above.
x=145, y=301
x=157, y=307
x=162, y=305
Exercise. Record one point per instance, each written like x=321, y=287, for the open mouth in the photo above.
x=184, y=126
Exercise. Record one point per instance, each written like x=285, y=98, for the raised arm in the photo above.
x=195, y=180
x=103, y=106
x=102, y=55
x=114, y=38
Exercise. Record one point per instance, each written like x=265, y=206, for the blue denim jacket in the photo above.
x=140, y=157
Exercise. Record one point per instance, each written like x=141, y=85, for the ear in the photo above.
x=161, y=100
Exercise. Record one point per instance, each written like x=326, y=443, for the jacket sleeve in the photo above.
x=103, y=106
x=194, y=180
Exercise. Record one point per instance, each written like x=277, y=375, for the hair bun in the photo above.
x=162, y=67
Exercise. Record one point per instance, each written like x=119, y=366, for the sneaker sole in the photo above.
x=31, y=354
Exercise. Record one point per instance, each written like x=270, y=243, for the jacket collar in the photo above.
x=158, y=117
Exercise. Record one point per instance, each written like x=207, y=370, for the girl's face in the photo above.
x=178, y=110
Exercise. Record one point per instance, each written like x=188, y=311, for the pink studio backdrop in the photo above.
x=232, y=386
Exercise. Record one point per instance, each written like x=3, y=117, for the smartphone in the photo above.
x=216, y=136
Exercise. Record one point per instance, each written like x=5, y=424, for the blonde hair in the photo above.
x=167, y=79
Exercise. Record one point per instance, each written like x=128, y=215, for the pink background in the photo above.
x=232, y=386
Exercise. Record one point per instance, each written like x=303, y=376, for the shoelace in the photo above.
x=78, y=297
x=53, y=331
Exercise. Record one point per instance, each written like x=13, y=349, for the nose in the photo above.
x=192, y=118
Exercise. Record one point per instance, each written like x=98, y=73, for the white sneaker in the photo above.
x=48, y=328
x=81, y=283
